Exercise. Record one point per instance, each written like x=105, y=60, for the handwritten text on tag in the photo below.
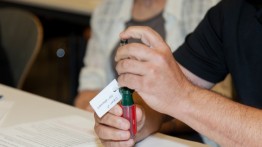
x=106, y=99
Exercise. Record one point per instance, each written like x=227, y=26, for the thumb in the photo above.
x=140, y=117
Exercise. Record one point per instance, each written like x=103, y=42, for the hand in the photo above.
x=83, y=99
x=151, y=70
x=112, y=129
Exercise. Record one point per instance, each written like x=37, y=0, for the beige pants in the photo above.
x=225, y=87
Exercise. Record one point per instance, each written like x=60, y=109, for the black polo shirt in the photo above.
x=228, y=40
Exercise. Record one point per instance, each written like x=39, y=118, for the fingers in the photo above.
x=113, y=121
x=110, y=133
x=112, y=126
x=116, y=110
x=147, y=35
x=136, y=51
x=111, y=137
x=125, y=143
x=113, y=130
x=140, y=118
x=139, y=113
x=131, y=66
x=130, y=81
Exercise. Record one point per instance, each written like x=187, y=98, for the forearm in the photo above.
x=225, y=121
x=83, y=98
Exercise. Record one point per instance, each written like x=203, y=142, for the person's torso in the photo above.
x=243, y=49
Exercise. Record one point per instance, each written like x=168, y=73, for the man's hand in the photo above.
x=151, y=70
x=112, y=129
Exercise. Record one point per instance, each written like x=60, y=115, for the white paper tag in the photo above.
x=106, y=99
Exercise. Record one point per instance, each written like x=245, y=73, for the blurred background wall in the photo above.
x=54, y=74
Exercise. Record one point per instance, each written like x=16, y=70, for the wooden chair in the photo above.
x=21, y=37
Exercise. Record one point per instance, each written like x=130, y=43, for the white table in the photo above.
x=30, y=108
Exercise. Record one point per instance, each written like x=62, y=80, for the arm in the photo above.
x=112, y=129
x=92, y=76
x=232, y=124
x=83, y=98
x=175, y=125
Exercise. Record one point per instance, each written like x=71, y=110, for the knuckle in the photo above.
x=104, y=119
x=160, y=58
x=146, y=28
x=118, y=68
x=152, y=71
x=125, y=64
x=97, y=119
x=125, y=78
x=120, y=80
x=99, y=131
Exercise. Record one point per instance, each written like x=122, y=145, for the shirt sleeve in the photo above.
x=106, y=25
x=202, y=52
x=92, y=75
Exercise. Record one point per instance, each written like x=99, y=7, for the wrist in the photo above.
x=183, y=102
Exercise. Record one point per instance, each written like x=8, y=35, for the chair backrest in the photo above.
x=21, y=37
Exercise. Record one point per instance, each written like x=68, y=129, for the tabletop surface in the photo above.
x=29, y=108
